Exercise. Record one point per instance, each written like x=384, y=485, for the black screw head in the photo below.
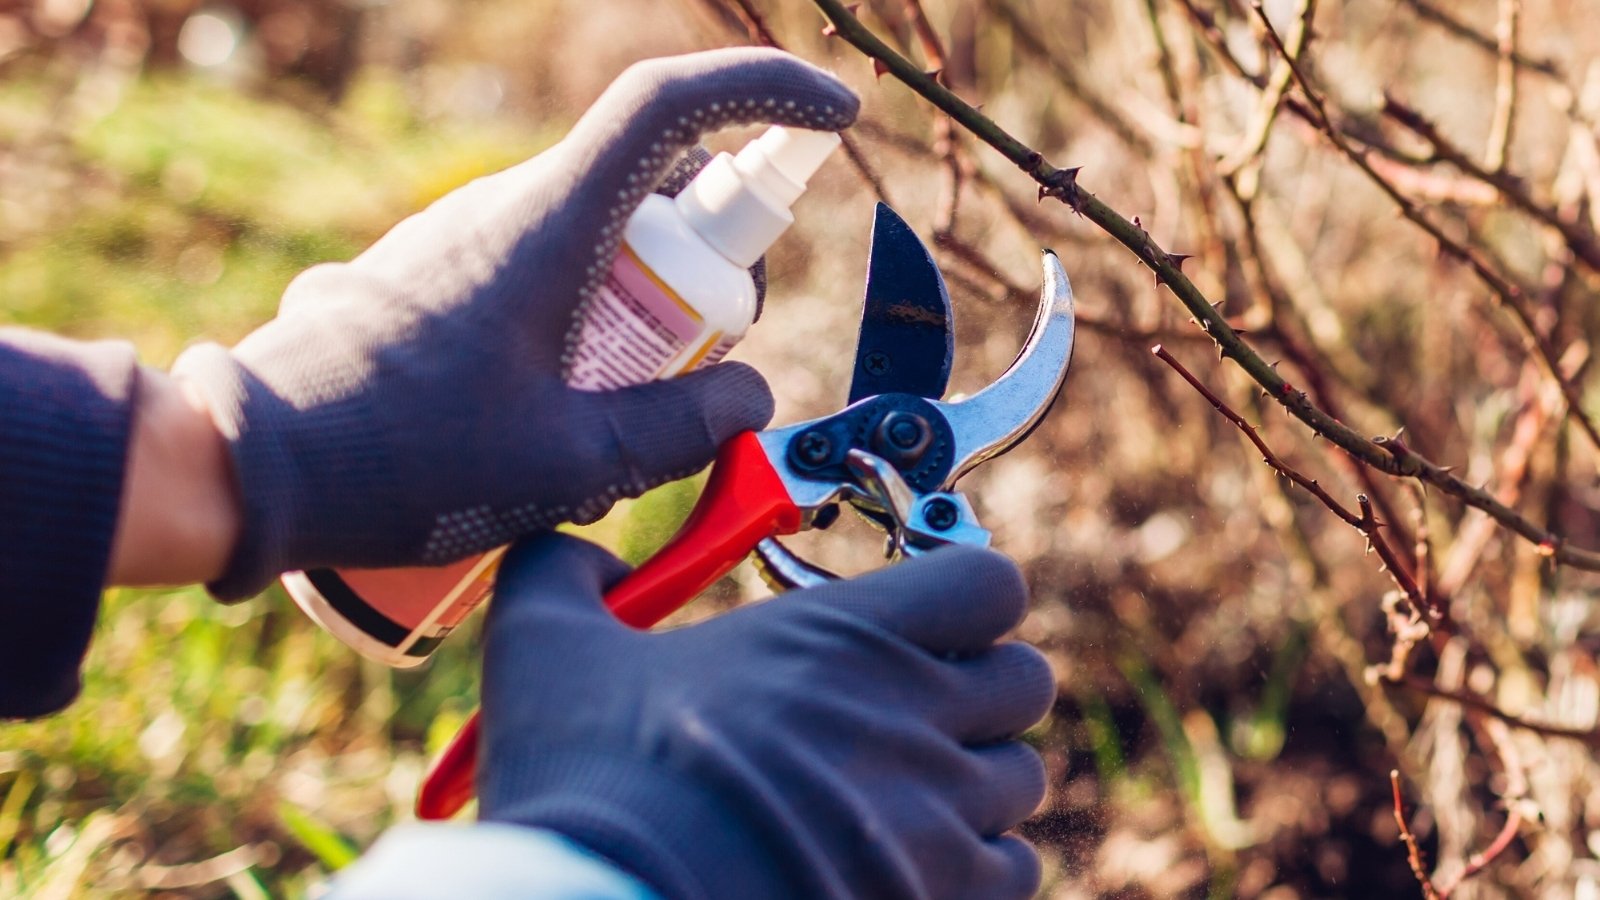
x=813, y=449
x=876, y=363
x=941, y=514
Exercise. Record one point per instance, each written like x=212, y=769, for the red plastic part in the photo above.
x=744, y=501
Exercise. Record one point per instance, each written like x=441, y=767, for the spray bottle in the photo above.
x=678, y=296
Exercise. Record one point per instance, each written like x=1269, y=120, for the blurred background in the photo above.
x=1238, y=674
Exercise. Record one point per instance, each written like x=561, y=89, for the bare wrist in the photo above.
x=180, y=513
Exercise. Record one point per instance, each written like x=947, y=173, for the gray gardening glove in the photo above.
x=407, y=407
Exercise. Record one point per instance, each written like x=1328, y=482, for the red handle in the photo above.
x=744, y=501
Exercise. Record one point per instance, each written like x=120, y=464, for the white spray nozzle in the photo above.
x=740, y=205
x=783, y=159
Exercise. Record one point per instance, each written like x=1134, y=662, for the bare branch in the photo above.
x=1587, y=736
x=1505, y=91
x=1032, y=45
x=1427, y=11
x=1510, y=188
x=1255, y=137
x=1351, y=518
x=1364, y=521
x=1511, y=296
x=1413, y=852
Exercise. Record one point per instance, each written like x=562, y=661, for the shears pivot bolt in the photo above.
x=902, y=438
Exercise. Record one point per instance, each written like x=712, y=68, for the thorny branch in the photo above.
x=1388, y=455
x=953, y=166
x=1413, y=852
x=1478, y=861
x=1385, y=165
x=1285, y=331
x=1363, y=521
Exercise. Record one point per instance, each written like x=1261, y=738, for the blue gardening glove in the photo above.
x=845, y=741
x=407, y=407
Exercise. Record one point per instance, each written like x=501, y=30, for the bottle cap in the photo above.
x=740, y=204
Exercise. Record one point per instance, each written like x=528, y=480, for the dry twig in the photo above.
x=1363, y=521
x=1505, y=91
x=1510, y=295
x=1588, y=736
x=1413, y=852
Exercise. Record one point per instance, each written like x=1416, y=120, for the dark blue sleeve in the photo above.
x=65, y=415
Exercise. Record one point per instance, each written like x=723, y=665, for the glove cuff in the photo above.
x=290, y=462
x=678, y=837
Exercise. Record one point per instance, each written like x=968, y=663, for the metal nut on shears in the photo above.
x=902, y=438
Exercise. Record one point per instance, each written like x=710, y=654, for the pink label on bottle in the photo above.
x=633, y=327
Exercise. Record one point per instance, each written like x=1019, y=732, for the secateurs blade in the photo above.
x=906, y=342
x=894, y=452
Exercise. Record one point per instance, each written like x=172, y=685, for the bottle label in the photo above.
x=635, y=329
x=426, y=601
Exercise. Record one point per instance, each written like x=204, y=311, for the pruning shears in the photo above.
x=893, y=454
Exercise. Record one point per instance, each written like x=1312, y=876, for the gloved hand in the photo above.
x=407, y=407
x=845, y=741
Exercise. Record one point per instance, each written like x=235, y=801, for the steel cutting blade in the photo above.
x=907, y=341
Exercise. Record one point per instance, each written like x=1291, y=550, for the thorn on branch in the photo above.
x=1061, y=184
x=879, y=68
x=1395, y=445
x=829, y=30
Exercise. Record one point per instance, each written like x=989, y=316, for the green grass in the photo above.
x=189, y=207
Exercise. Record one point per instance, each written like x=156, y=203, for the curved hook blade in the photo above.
x=993, y=420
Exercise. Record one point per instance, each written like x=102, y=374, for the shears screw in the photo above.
x=876, y=363
x=902, y=438
x=813, y=449
x=940, y=514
